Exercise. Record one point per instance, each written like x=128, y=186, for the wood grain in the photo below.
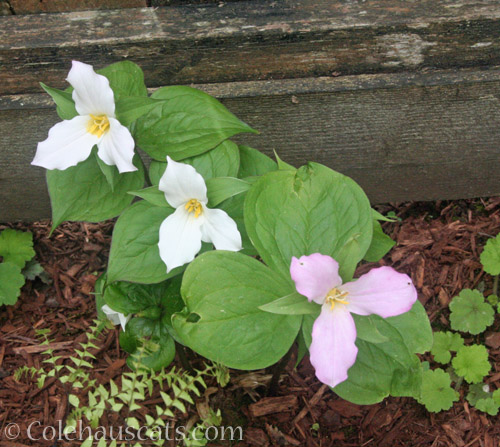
x=401, y=136
x=252, y=40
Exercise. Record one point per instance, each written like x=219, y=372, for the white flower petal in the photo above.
x=180, y=238
x=115, y=317
x=68, y=144
x=221, y=230
x=92, y=93
x=117, y=147
x=181, y=183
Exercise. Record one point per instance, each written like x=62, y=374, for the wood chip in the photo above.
x=270, y=405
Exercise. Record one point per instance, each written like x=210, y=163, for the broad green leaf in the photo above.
x=222, y=161
x=293, y=304
x=309, y=210
x=64, y=102
x=223, y=188
x=129, y=109
x=129, y=298
x=16, y=247
x=234, y=207
x=415, y=328
x=282, y=165
x=477, y=391
x=222, y=321
x=437, y=393
x=444, y=342
x=367, y=330
x=11, y=281
x=125, y=79
x=381, y=369
x=471, y=362
x=158, y=350
x=490, y=257
x=83, y=193
x=152, y=195
x=380, y=245
x=254, y=163
x=488, y=405
x=189, y=123
x=134, y=255
x=470, y=313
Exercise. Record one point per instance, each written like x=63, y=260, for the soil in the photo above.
x=438, y=244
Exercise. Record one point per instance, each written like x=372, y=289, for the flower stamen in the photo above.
x=98, y=125
x=193, y=206
x=336, y=296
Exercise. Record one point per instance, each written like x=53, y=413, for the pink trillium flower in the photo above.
x=382, y=291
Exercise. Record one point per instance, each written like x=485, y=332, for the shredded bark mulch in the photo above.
x=438, y=244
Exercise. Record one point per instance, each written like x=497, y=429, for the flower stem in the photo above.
x=181, y=352
x=277, y=370
x=495, y=285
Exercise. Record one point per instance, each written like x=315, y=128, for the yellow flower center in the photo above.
x=336, y=296
x=98, y=125
x=193, y=206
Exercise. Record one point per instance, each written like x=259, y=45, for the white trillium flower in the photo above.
x=71, y=141
x=181, y=233
x=115, y=317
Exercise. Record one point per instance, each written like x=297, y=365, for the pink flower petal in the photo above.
x=315, y=275
x=332, y=349
x=382, y=291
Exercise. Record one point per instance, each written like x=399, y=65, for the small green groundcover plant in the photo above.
x=95, y=402
x=222, y=249
x=470, y=313
x=16, y=251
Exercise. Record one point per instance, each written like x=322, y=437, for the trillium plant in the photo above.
x=223, y=250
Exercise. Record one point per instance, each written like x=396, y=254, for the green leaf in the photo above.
x=492, y=299
x=309, y=210
x=282, y=165
x=188, y=123
x=152, y=195
x=64, y=102
x=381, y=217
x=367, y=330
x=254, y=163
x=415, y=328
x=33, y=270
x=134, y=252
x=125, y=79
x=73, y=400
x=16, y=247
x=222, y=161
x=382, y=368
x=129, y=109
x=159, y=350
x=82, y=192
x=11, y=281
x=490, y=257
x=471, y=362
x=496, y=396
x=380, y=245
x=476, y=392
x=488, y=405
x=293, y=304
x=470, y=313
x=222, y=321
x=444, y=342
x=437, y=393
x=223, y=188
x=130, y=298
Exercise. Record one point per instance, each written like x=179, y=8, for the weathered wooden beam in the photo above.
x=252, y=40
x=401, y=136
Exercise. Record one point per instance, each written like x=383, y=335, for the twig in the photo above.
x=314, y=400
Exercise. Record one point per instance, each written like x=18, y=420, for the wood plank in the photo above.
x=40, y=6
x=401, y=136
x=252, y=40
